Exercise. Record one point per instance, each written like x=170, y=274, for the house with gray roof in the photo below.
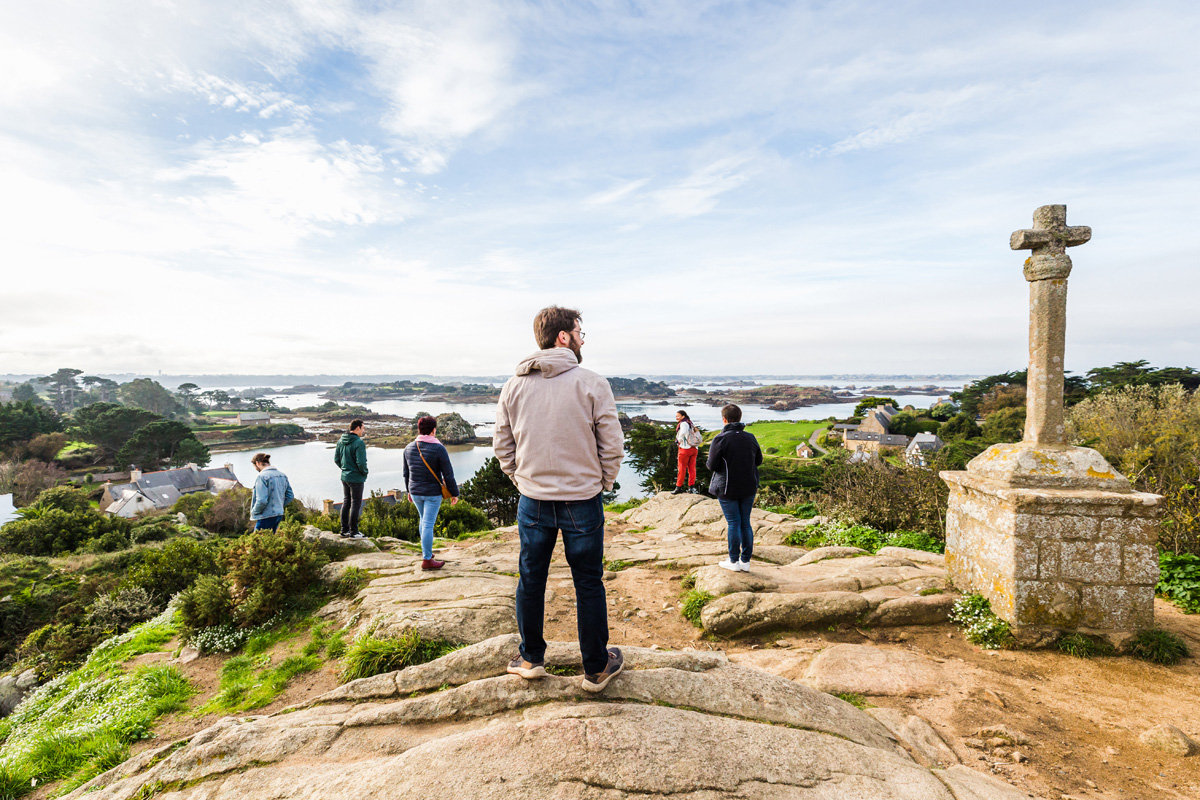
x=871, y=442
x=159, y=490
x=922, y=445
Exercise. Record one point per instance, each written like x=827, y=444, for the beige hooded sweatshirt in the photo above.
x=557, y=434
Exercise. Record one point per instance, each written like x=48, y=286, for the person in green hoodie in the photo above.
x=351, y=455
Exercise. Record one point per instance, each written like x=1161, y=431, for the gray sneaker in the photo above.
x=527, y=669
x=596, y=683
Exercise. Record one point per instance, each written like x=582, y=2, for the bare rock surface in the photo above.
x=500, y=736
x=918, y=736
x=967, y=784
x=890, y=590
x=869, y=670
x=468, y=600
x=753, y=612
x=334, y=542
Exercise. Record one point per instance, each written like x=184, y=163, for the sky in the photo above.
x=318, y=186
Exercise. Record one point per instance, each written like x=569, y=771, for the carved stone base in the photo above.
x=1055, y=539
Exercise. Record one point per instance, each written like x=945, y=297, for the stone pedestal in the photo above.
x=1055, y=538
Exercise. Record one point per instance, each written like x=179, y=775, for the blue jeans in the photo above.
x=582, y=526
x=267, y=523
x=428, y=506
x=741, y=535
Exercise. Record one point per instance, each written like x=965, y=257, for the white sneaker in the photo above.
x=743, y=566
x=729, y=565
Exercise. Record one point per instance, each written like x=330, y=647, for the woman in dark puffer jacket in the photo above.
x=427, y=472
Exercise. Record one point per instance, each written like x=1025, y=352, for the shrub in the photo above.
x=461, y=518
x=158, y=529
x=885, y=497
x=31, y=478
x=398, y=520
x=117, y=612
x=268, y=570
x=693, y=603
x=207, y=603
x=1158, y=646
x=53, y=532
x=64, y=498
x=189, y=506
x=107, y=542
x=228, y=512
x=842, y=534
x=1179, y=580
x=1151, y=434
x=369, y=655
x=166, y=572
x=915, y=540
x=981, y=627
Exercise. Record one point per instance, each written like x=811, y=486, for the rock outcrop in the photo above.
x=680, y=725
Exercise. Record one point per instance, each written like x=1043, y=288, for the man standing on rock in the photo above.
x=351, y=456
x=557, y=437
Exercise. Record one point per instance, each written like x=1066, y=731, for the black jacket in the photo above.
x=417, y=477
x=734, y=457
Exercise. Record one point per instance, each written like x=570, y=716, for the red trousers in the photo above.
x=687, y=465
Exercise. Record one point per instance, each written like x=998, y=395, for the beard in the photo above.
x=577, y=349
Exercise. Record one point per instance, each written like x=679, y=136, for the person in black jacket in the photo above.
x=734, y=457
x=427, y=472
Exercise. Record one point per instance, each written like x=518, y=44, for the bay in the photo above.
x=315, y=478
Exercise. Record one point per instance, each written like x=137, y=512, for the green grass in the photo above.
x=853, y=698
x=693, y=603
x=249, y=681
x=1084, y=646
x=82, y=723
x=784, y=435
x=370, y=655
x=617, y=508
x=861, y=536
x=1159, y=647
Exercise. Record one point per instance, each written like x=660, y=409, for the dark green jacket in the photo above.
x=351, y=455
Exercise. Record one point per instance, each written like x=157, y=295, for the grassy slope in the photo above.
x=785, y=435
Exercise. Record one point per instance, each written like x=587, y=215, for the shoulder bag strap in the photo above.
x=436, y=477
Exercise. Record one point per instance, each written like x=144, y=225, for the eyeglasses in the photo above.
x=582, y=335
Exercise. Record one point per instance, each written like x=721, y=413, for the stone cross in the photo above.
x=1047, y=270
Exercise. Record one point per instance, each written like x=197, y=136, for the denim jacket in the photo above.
x=272, y=491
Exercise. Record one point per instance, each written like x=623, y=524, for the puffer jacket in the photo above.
x=734, y=457
x=418, y=478
x=557, y=434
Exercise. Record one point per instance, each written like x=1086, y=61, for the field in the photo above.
x=783, y=435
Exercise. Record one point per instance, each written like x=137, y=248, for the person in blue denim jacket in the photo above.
x=272, y=491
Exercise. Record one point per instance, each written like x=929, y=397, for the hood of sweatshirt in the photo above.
x=347, y=438
x=554, y=361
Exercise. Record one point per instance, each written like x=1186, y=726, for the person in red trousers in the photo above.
x=688, y=437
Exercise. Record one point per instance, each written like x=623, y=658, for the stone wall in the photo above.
x=1054, y=558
